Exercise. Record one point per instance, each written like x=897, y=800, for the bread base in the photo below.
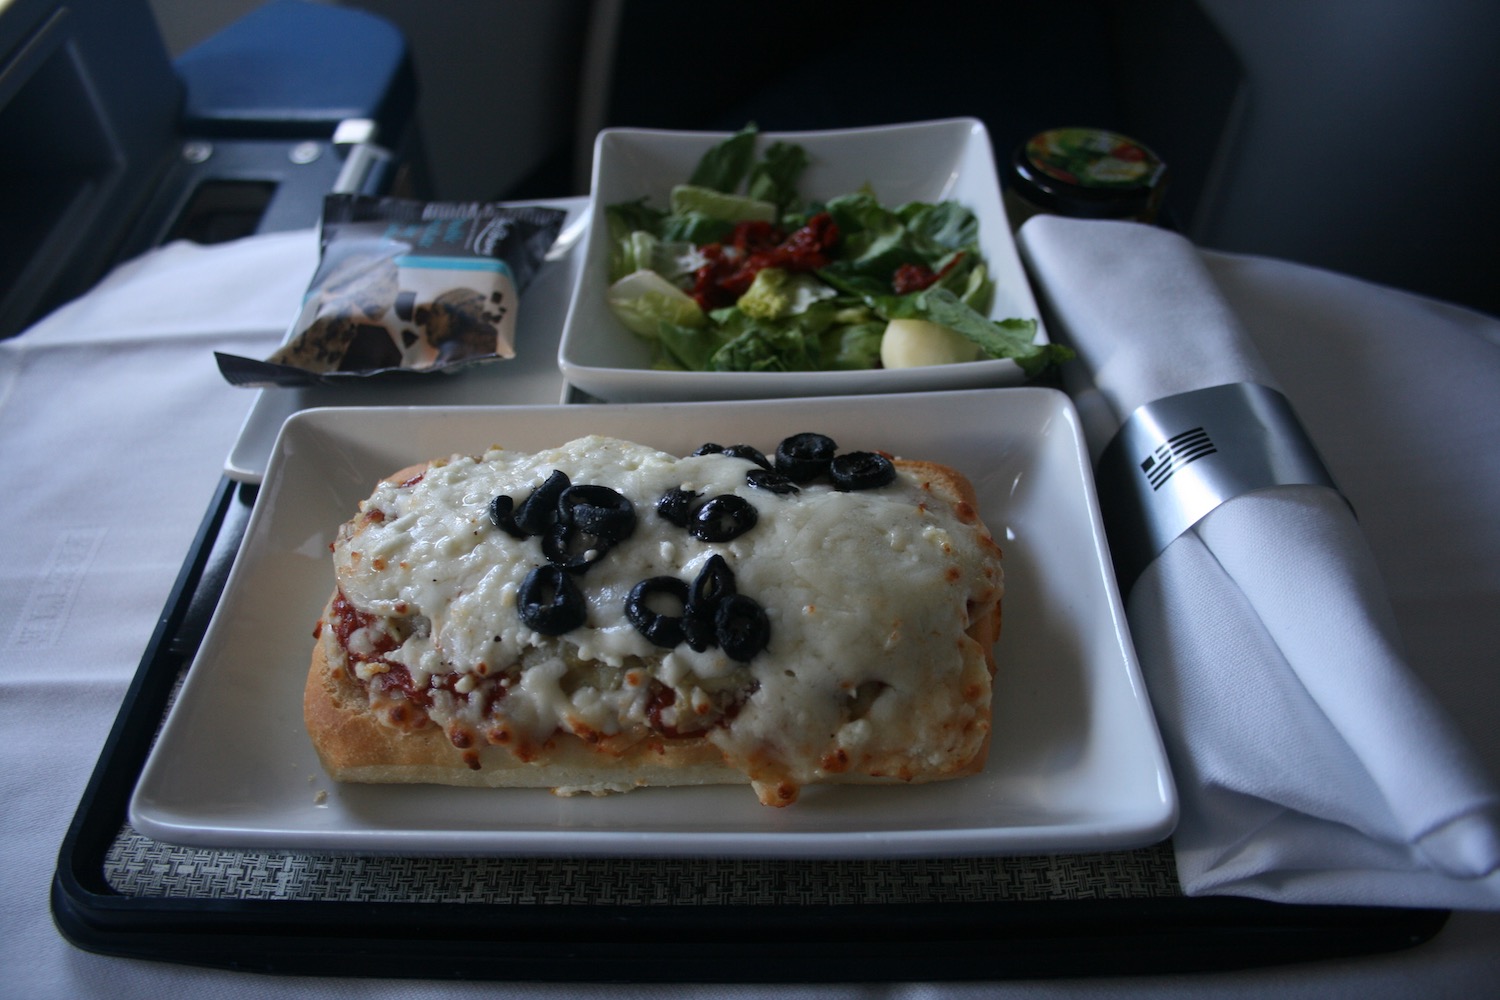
x=356, y=745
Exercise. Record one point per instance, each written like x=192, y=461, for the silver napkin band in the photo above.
x=1177, y=458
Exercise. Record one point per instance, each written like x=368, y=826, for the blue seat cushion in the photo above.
x=296, y=69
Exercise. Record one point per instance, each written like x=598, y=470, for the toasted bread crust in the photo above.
x=356, y=745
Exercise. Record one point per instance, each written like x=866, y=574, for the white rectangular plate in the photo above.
x=1076, y=762
x=922, y=161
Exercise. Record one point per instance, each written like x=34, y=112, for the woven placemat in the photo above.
x=138, y=866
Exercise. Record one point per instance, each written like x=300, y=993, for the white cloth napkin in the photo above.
x=1312, y=763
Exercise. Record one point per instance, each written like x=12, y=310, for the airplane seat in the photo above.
x=111, y=147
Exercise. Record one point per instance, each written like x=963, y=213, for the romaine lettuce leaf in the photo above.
x=727, y=163
x=873, y=240
x=876, y=241
x=690, y=199
x=946, y=224
x=624, y=219
x=776, y=293
x=775, y=175
x=766, y=348
x=643, y=251
x=855, y=347
x=627, y=216
x=977, y=291
x=643, y=299
x=686, y=347
x=789, y=344
x=694, y=228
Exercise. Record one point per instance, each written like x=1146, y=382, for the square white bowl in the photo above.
x=923, y=161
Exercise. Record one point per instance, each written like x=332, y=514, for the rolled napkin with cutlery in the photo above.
x=1312, y=763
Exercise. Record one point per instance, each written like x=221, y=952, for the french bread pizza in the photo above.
x=604, y=616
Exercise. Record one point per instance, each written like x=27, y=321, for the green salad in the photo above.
x=740, y=273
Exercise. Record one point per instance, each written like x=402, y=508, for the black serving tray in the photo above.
x=117, y=893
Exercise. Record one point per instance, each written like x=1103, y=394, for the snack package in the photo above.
x=407, y=286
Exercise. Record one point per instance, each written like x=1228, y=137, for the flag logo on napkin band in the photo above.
x=1177, y=452
x=1177, y=458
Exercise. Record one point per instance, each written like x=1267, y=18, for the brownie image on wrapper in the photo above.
x=457, y=324
x=321, y=347
x=406, y=306
x=370, y=349
x=347, y=331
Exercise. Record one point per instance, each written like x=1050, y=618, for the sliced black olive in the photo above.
x=723, y=517
x=804, y=457
x=538, y=512
x=741, y=627
x=771, y=481
x=861, y=470
x=502, y=515
x=598, y=510
x=660, y=629
x=550, y=602
x=749, y=452
x=566, y=547
x=698, y=616
x=676, y=505
x=709, y=449
x=715, y=582
x=697, y=632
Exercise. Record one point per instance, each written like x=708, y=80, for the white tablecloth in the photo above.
x=114, y=425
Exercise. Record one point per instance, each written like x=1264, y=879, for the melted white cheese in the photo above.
x=859, y=587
